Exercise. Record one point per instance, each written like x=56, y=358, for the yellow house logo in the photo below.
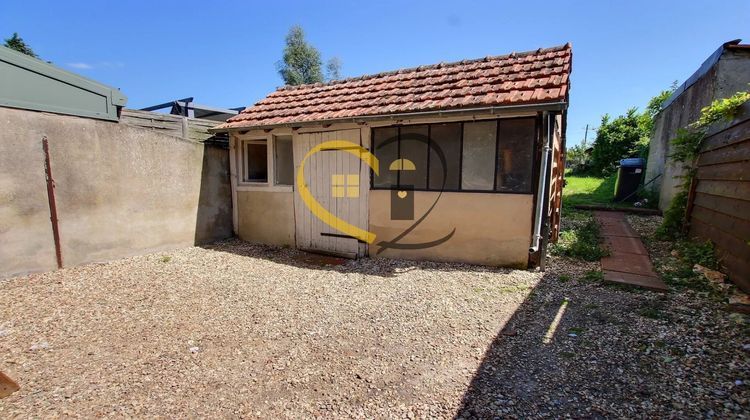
x=347, y=186
x=341, y=187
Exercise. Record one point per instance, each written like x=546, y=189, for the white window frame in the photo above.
x=242, y=165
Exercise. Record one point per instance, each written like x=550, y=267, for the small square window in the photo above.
x=256, y=161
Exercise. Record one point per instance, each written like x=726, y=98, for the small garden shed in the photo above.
x=453, y=162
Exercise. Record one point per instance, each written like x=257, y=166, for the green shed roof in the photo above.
x=29, y=83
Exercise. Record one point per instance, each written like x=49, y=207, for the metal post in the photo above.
x=52, y=204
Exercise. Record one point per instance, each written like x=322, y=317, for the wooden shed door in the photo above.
x=339, y=181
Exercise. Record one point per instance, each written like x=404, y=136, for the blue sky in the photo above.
x=224, y=53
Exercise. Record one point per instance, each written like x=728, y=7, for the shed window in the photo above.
x=283, y=161
x=490, y=155
x=413, y=148
x=447, y=137
x=385, y=145
x=256, y=161
x=478, y=164
x=514, y=156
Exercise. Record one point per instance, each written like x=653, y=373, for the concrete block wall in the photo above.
x=120, y=191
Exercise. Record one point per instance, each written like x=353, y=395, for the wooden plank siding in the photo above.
x=193, y=129
x=556, y=182
x=720, y=209
x=311, y=232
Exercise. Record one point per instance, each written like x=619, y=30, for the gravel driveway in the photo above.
x=239, y=330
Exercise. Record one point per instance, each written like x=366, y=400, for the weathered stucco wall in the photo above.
x=685, y=109
x=266, y=217
x=120, y=191
x=26, y=242
x=491, y=229
x=214, y=220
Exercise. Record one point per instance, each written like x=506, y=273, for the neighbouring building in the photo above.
x=724, y=73
x=188, y=108
x=455, y=161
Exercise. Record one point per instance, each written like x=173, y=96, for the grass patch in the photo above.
x=588, y=190
x=564, y=278
x=594, y=276
x=166, y=258
x=597, y=191
x=579, y=238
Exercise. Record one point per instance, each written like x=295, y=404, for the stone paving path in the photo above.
x=628, y=262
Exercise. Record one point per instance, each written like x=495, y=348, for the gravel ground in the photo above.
x=240, y=330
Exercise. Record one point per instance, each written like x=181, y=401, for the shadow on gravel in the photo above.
x=381, y=267
x=548, y=359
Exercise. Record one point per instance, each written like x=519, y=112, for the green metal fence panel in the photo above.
x=29, y=83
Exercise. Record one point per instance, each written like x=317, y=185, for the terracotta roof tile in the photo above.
x=518, y=78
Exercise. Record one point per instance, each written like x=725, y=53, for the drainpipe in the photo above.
x=542, y=185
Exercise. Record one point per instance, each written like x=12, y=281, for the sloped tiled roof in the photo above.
x=531, y=77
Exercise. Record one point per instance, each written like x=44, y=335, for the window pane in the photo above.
x=385, y=154
x=515, y=156
x=257, y=163
x=413, y=148
x=448, y=138
x=478, y=166
x=283, y=163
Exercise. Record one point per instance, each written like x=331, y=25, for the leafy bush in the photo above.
x=686, y=253
x=616, y=139
x=578, y=159
x=694, y=252
x=625, y=136
x=722, y=109
x=581, y=239
x=674, y=217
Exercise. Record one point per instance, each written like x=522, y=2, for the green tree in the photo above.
x=654, y=106
x=301, y=63
x=626, y=136
x=616, y=139
x=17, y=43
x=577, y=158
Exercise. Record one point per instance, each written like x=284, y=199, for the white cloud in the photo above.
x=81, y=66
